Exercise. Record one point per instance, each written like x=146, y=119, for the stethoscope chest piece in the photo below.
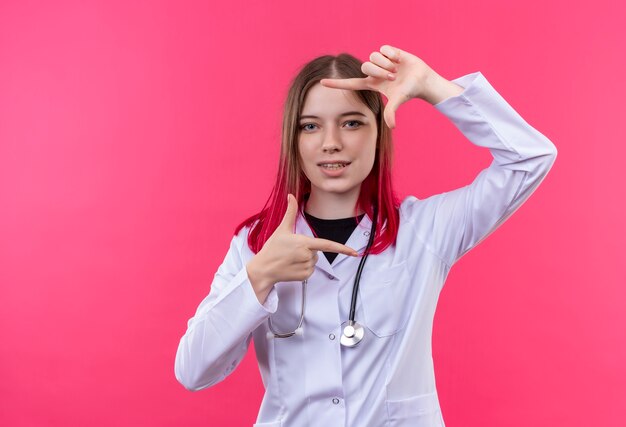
x=352, y=333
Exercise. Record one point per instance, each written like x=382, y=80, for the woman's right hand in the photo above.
x=287, y=256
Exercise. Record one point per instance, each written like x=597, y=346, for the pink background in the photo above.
x=134, y=136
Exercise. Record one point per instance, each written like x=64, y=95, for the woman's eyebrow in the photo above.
x=349, y=113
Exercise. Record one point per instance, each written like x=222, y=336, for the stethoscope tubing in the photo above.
x=302, y=309
x=353, y=332
x=357, y=279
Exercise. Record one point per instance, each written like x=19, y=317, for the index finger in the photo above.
x=354, y=83
x=330, y=246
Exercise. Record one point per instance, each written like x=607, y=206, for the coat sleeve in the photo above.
x=219, y=333
x=454, y=222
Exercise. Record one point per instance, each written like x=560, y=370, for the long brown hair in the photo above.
x=377, y=186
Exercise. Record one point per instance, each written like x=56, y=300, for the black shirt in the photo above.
x=337, y=230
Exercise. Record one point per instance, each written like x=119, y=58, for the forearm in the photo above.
x=488, y=120
x=204, y=359
x=437, y=89
x=522, y=158
x=261, y=286
x=218, y=335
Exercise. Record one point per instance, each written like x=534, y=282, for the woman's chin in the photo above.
x=335, y=189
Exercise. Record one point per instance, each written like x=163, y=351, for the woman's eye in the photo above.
x=357, y=123
x=352, y=124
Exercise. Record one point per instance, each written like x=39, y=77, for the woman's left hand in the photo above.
x=397, y=74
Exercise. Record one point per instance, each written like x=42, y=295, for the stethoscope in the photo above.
x=353, y=332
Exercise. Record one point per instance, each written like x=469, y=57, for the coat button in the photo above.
x=330, y=276
x=366, y=233
x=335, y=401
x=331, y=336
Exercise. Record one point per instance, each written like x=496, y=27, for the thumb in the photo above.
x=289, y=220
x=390, y=112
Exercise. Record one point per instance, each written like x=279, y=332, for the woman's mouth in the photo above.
x=334, y=169
x=334, y=166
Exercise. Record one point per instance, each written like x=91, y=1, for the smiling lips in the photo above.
x=334, y=165
x=334, y=168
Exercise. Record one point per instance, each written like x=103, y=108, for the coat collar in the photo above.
x=357, y=241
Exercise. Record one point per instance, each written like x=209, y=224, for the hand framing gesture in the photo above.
x=287, y=256
x=397, y=74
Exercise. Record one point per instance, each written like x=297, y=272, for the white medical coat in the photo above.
x=388, y=379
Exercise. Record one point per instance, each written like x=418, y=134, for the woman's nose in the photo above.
x=331, y=141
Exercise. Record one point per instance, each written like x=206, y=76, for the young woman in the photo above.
x=344, y=339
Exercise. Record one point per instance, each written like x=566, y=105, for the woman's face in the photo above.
x=335, y=126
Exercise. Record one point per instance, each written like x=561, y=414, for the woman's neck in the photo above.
x=332, y=205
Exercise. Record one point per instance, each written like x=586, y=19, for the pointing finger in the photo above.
x=355, y=83
x=330, y=246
